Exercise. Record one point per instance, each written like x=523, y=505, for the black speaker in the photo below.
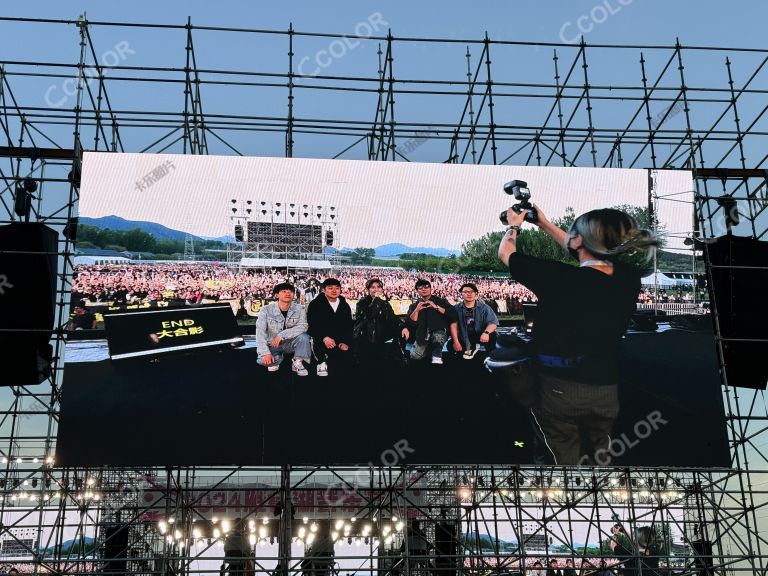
x=115, y=548
x=238, y=232
x=28, y=255
x=739, y=271
x=703, y=557
x=329, y=237
x=446, y=548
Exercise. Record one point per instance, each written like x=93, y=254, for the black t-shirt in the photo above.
x=582, y=312
x=83, y=321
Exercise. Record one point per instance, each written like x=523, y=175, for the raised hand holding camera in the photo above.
x=519, y=189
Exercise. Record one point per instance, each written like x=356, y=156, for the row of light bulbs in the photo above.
x=19, y=460
x=465, y=494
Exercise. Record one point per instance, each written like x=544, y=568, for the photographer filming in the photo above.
x=582, y=313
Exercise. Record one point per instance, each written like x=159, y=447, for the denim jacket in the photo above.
x=483, y=315
x=271, y=323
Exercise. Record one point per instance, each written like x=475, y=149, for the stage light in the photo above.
x=334, y=536
x=234, y=210
x=214, y=520
x=353, y=519
x=305, y=520
x=162, y=526
x=5, y=460
x=394, y=518
x=399, y=526
x=262, y=532
x=169, y=539
x=35, y=460
x=366, y=529
x=302, y=532
x=349, y=540
x=310, y=538
x=251, y=525
x=177, y=534
x=292, y=205
x=386, y=530
x=18, y=460
x=90, y=481
x=252, y=539
x=195, y=533
x=171, y=520
x=225, y=526
x=249, y=202
x=233, y=201
x=26, y=482
x=216, y=533
x=49, y=460
x=23, y=197
x=388, y=540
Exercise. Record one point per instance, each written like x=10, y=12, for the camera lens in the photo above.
x=503, y=218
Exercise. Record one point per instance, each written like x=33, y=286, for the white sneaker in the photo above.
x=273, y=367
x=437, y=360
x=322, y=369
x=298, y=366
x=469, y=354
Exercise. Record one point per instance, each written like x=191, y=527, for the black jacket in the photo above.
x=375, y=321
x=324, y=322
x=430, y=319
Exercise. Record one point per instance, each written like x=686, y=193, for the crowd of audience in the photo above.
x=138, y=283
x=192, y=283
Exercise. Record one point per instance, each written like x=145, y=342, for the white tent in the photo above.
x=661, y=279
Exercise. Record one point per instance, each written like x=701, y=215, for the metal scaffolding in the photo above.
x=693, y=108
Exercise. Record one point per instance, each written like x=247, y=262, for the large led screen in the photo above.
x=409, y=325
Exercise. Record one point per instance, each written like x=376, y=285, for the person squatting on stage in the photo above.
x=330, y=326
x=429, y=318
x=375, y=324
x=582, y=313
x=476, y=323
x=281, y=328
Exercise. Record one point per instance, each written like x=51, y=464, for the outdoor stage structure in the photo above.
x=101, y=86
x=292, y=234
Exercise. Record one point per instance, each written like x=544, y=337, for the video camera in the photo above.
x=519, y=189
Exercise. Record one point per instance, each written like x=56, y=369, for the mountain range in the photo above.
x=164, y=233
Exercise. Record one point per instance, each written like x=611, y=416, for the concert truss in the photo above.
x=100, y=88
